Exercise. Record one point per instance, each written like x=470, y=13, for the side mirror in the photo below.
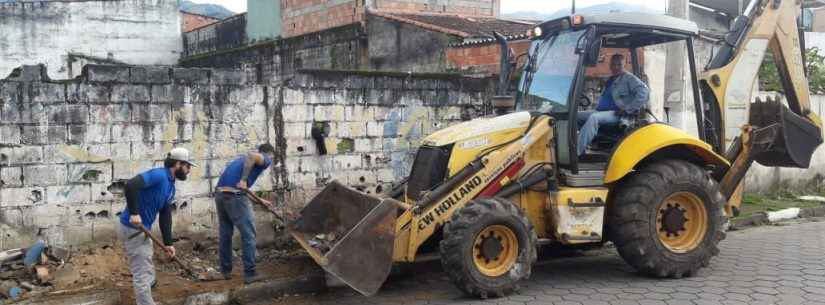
x=591, y=57
x=585, y=40
x=506, y=67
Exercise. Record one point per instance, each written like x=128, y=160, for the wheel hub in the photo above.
x=495, y=250
x=673, y=219
x=491, y=247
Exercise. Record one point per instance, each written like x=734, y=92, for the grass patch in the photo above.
x=754, y=203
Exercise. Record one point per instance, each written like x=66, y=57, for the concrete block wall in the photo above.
x=341, y=48
x=374, y=123
x=220, y=35
x=66, y=146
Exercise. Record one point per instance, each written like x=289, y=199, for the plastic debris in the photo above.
x=33, y=254
x=812, y=198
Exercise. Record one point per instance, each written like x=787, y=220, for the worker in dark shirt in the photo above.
x=234, y=210
x=148, y=195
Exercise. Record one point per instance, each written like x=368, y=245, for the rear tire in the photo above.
x=667, y=219
x=488, y=247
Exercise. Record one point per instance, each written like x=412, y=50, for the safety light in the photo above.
x=578, y=20
x=537, y=32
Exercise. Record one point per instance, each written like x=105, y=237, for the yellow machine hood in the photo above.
x=477, y=128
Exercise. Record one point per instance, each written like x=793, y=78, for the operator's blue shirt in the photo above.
x=606, y=102
x=234, y=170
x=158, y=191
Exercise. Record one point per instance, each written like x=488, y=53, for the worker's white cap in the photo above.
x=181, y=154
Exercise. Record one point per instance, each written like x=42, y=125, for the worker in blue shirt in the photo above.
x=148, y=195
x=234, y=210
x=625, y=94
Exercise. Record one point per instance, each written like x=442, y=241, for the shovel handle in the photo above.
x=260, y=201
x=160, y=244
x=254, y=197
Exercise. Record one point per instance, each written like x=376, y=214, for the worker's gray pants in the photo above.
x=139, y=255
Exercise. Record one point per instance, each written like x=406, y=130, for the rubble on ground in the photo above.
x=323, y=242
x=65, y=272
x=26, y=272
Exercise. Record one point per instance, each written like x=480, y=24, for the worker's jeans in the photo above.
x=234, y=211
x=139, y=255
x=592, y=120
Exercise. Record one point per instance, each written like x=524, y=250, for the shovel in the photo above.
x=204, y=276
x=265, y=204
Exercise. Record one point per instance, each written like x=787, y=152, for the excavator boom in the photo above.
x=775, y=134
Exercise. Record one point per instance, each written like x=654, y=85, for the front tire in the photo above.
x=488, y=247
x=667, y=219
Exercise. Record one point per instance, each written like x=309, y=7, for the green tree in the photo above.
x=815, y=62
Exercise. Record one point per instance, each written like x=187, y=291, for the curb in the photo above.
x=764, y=218
x=91, y=298
x=309, y=283
x=314, y=282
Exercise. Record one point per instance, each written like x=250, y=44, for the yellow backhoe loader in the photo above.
x=484, y=194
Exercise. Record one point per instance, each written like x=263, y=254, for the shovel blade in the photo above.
x=350, y=234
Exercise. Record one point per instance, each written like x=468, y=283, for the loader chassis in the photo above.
x=485, y=193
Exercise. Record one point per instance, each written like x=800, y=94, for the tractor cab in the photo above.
x=568, y=71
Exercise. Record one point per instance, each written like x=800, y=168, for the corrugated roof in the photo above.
x=472, y=29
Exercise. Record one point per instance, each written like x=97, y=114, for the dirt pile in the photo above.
x=104, y=267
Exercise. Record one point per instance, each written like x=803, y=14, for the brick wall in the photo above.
x=477, y=8
x=485, y=58
x=65, y=145
x=301, y=17
x=191, y=21
x=481, y=58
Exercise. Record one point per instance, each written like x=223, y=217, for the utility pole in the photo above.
x=676, y=90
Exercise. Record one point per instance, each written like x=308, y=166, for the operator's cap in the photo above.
x=181, y=154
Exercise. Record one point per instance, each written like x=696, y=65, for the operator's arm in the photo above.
x=252, y=159
x=165, y=221
x=642, y=92
x=133, y=187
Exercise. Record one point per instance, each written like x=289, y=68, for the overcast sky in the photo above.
x=507, y=6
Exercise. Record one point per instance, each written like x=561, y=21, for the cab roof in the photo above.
x=656, y=21
x=634, y=20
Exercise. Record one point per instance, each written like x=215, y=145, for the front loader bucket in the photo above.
x=794, y=141
x=350, y=234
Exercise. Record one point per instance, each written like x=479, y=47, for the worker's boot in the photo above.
x=253, y=279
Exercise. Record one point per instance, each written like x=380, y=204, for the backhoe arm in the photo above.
x=775, y=135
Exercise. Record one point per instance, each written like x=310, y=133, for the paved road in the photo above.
x=766, y=265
